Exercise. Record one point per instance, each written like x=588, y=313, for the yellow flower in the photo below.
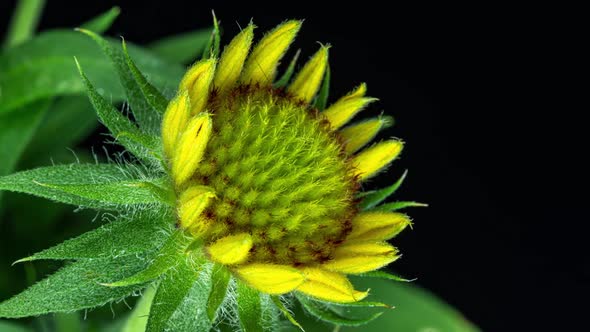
x=268, y=183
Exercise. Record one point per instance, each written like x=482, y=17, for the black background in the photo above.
x=483, y=96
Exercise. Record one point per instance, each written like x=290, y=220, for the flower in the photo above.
x=267, y=182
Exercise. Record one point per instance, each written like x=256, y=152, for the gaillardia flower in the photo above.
x=246, y=193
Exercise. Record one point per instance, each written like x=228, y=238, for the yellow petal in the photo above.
x=231, y=249
x=348, y=106
x=357, y=258
x=308, y=81
x=232, y=60
x=191, y=203
x=358, y=135
x=262, y=64
x=175, y=121
x=190, y=148
x=197, y=81
x=329, y=286
x=375, y=158
x=377, y=226
x=270, y=278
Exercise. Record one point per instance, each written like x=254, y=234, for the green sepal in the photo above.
x=152, y=95
x=137, y=321
x=102, y=22
x=120, y=126
x=284, y=80
x=180, y=296
x=124, y=236
x=363, y=304
x=100, y=186
x=140, y=107
x=374, y=198
x=213, y=45
x=170, y=255
x=384, y=275
x=399, y=205
x=328, y=315
x=322, y=99
x=277, y=301
x=220, y=277
x=75, y=287
x=249, y=308
x=181, y=48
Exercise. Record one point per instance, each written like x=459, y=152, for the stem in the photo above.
x=24, y=22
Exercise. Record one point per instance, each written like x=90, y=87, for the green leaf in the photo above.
x=249, y=308
x=101, y=186
x=44, y=67
x=371, y=200
x=141, y=109
x=384, y=275
x=212, y=48
x=172, y=253
x=102, y=22
x=67, y=322
x=219, y=282
x=284, y=80
x=180, y=301
x=124, y=236
x=13, y=327
x=141, y=145
x=153, y=97
x=395, y=206
x=277, y=301
x=138, y=319
x=326, y=314
x=181, y=48
x=16, y=131
x=23, y=22
x=75, y=287
x=322, y=98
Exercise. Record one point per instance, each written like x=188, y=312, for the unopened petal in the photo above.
x=329, y=286
x=262, y=63
x=175, y=121
x=361, y=257
x=232, y=60
x=270, y=278
x=358, y=135
x=307, y=83
x=190, y=148
x=347, y=107
x=231, y=249
x=377, y=226
x=197, y=82
x=370, y=161
x=191, y=204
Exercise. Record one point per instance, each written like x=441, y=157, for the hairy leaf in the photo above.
x=220, y=277
x=395, y=206
x=326, y=314
x=322, y=98
x=126, y=235
x=374, y=198
x=212, y=48
x=75, y=287
x=277, y=301
x=181, y=48
x=102, y=22
x=284, y=80
x=101, y=186
x=249, y=308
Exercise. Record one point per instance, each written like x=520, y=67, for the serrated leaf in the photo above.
x=322, y=98
x=124, y=236
x=43, y=67
x=181, y=48
x=172, y=253
x=220, y=277
x=212, y=48
x=328, y=315
x=153, y=97
x=75, y=287
x=137, y=321
x=249, y=308
x=140, y=144
x=384, y=275
x=101, y=186
x=102, y=22
x=394, y=206
x=144, y=114
x=180, y=302
x=277, y=301
x=284, y=80
x=374, y=198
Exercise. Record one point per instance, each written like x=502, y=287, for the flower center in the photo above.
x=280, y=174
